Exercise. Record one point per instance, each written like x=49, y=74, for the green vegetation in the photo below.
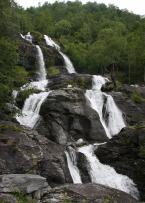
x=98, y=39
x=4, y=127
x=81, y=82
x=137, y=97
x=66, y=198
x=22, y=198
x=53, y=71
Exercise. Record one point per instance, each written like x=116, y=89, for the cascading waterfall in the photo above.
x=97, y=99
x=41, y=65
x=72, y=165
x=68, y=64
x=106, y=175
x=30, y=112
x=100, y=102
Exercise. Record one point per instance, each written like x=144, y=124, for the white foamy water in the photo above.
x=51, y=43
x=27, y=37
x=72, y=165
x=68, y=64
x=30, y=112
x=39, y=85
x=106, y=175
x=100, y=102
x=41, y=64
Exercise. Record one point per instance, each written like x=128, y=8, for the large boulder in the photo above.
x=83, y=81
x=25, y=151
x=92, y=193
x=67, y=117
x=25, y=183
x=126, y=153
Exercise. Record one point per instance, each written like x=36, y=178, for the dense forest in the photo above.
x=98, y=39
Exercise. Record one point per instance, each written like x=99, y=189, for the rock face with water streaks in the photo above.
x=26, y=151
x=70, y=118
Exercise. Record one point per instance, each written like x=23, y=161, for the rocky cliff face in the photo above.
x=67, y=117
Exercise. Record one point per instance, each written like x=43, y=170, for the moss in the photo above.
x=80, y=82
x=107, y=199
x=137, y=126
x=53, y=71
x=137, y=97
x=142, y=152
x=20, y=76
x=38, y=37
x=118, y=85
x=4, y=127
x=66, y=198
x=22, y=198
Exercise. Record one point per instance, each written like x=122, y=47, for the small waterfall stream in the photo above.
x=97, y=99
x=30, y=112
x=68, y=64
x=72, y=165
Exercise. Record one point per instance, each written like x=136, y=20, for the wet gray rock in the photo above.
x=25, y=183
x=70, y=118
x=25, y=151
x=126, y=153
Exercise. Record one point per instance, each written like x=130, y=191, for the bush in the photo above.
x=38, y=37
x=20, y=76
x=53, y=71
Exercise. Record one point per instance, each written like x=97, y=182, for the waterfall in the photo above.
x=68, y=64
x=106, y=175
x=72, y=165
x=41, y=65
x=30, y=111
x=97, y=99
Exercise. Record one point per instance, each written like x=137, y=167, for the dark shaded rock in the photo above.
x=70, y=118
x=28, y=56
x=107, y=87
x=82, y=165
x=25, y=151
x=92, y=193
x=133, y=113
x=126, y=153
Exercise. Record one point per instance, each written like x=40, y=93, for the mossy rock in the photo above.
x=137, y=97
x=4, y=127
x=38, y=37
x=80, y=82
x=53, y=71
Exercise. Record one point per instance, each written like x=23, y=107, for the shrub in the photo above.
x=53, y=71
x=20, y=76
